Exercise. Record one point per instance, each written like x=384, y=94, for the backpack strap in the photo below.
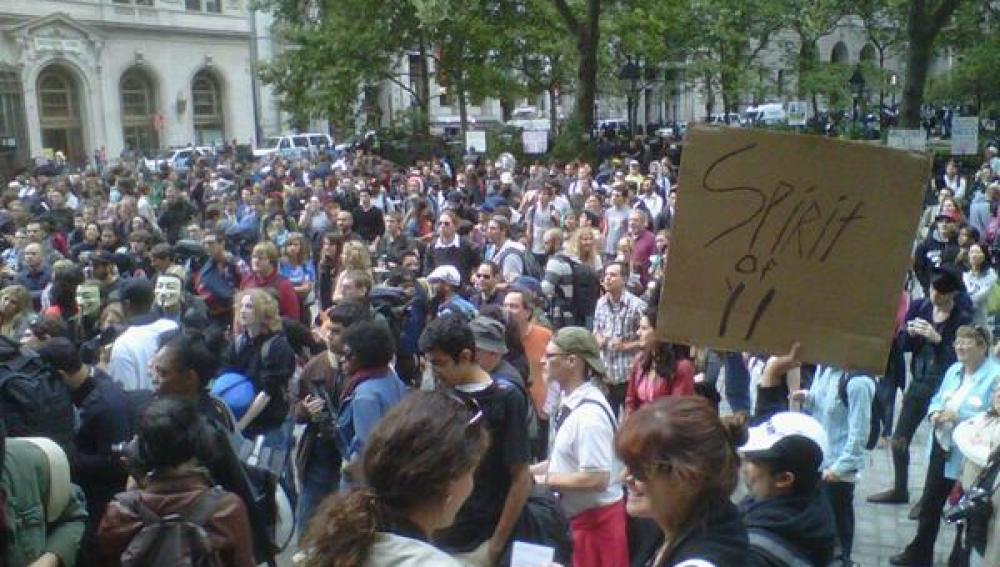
x=132, y=502
x=201, y=510
x=775, y=549
x=59, y=480
x=604, y=408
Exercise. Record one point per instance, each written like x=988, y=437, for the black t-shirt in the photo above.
x=505, y=412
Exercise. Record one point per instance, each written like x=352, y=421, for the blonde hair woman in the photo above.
x=16, y=313
x=261, y=352
x=353, y=256
x=584, y=246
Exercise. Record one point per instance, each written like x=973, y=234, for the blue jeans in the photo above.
x=737, y=382
x=320, y=478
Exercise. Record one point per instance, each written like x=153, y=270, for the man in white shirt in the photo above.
x=582, y=467
x=135, y=347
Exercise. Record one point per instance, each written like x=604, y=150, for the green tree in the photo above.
x=584, y=29
x=924, y=21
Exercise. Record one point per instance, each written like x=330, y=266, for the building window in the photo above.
x=214, y=6
x=55, y=97
x=138, y=112
x=136, y=2
x=11, y=112
x=206, y=99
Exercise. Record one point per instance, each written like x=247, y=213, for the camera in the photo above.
x=974, y=500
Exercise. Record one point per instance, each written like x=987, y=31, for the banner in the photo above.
x=476, y=140
x=965, y=135
x=781, y=238
x=903, y=139
x=535, y=141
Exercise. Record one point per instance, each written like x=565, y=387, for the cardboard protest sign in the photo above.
x=783, y=237
x=964, y=135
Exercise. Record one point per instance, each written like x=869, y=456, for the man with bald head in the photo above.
x=35, y=274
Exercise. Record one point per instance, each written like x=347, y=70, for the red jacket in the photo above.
x=288, y=301
x=683, y=385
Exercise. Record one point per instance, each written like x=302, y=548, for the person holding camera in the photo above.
x=965, y=392
x=979, y=441
x=171, y=436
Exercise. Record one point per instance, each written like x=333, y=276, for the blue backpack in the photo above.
x=236, y=390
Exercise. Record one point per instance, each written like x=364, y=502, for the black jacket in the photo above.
x=719, y=540
x=932, y=253
x=104, y=421
x=801, y=526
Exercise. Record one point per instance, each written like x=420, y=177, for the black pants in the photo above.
x=914, y=410
x=936, y=490
x=841, y=498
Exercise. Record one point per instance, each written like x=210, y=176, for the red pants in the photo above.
x=600, y=537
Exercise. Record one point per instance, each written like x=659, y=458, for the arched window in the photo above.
x=868, y=54
x=839, y=54
x=206, y=99
x=139, y=112
x=59, y=113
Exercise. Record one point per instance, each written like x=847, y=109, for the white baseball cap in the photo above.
x=780, y=438
x=446, y=274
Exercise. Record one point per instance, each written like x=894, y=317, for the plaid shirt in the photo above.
x=620, y=321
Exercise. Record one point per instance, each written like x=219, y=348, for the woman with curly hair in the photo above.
x=353, y=256
x=16, y=312
x=418, y=469
x=657, y=371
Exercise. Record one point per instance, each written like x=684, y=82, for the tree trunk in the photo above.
x=881, y=84
x=924, y=20
x=423, y=124
x=463, y=110
x=553, y=110
x=918, y=60
x=587, y=79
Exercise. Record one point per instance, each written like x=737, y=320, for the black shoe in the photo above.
x=909, y=559
x=889, y=497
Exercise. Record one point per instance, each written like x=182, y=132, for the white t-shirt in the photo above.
x=585, y=443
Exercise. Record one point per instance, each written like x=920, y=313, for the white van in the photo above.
x=766, y=114
x=294, y=146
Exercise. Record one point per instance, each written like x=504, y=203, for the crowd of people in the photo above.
x=430, y=362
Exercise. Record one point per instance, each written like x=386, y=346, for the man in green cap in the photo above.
x=582, y=467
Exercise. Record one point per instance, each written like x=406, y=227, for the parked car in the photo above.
x=179, y=159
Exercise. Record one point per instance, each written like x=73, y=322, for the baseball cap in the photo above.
x=580, y=341
x=446, y=274
x=490, y=334
x=793, y=441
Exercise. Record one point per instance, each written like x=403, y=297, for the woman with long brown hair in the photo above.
x=681, y=469
x=418, y=469
x=657, y=371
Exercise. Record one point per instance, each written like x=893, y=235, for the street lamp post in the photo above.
x=857, y=83
x=631, y=72
x=893, y=81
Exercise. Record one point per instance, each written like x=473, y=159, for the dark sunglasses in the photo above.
x=475, y=410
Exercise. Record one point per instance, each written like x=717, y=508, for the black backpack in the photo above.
x=178, y=539
x=875, y=427
x=34, y=401
x=586, y=292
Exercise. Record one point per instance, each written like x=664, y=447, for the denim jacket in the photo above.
x=847, y=426
x=364, y=407
x=976, y=401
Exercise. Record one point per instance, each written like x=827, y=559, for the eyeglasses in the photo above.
x=643, y=473
x=484, y=276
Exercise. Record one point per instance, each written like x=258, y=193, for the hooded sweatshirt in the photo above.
x=802, y=525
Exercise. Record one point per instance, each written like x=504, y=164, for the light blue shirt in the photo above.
x=847, y=426
x=977, y=400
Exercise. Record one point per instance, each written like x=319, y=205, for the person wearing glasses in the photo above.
x=451, y=249
x=582, y=467
x=484, y=525
x=371, y=390
x=419, y=468
x=965, y=392
x=681, y=468
x=485, y=280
